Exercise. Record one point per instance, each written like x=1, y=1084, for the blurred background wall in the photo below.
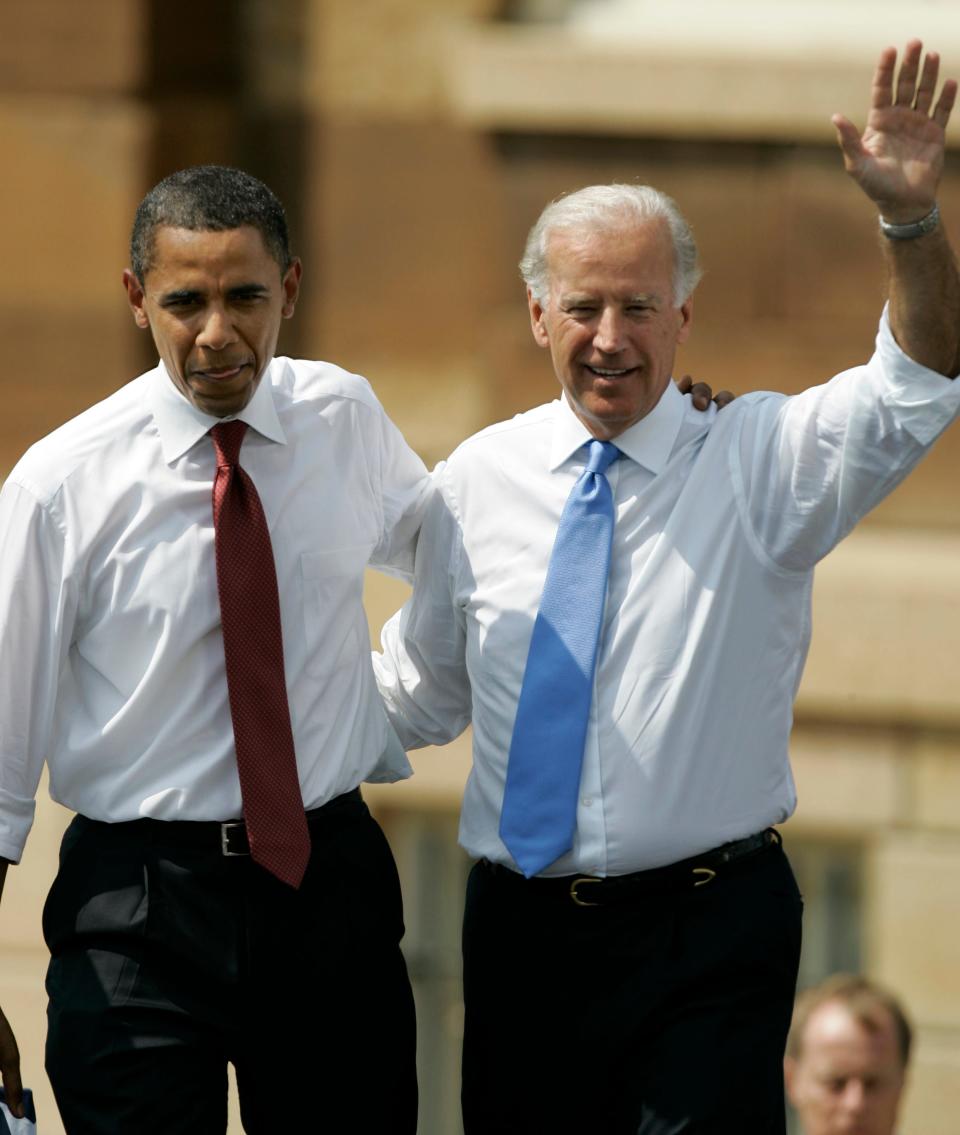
x=414, y=142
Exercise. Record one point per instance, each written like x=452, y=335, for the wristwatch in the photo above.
x=914, y=229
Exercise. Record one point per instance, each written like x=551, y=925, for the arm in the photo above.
x=898, y=162
x=34, y=614
x=405, y=488
x=422, y=670
x=9, y=1052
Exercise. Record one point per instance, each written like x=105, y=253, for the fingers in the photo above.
x=948, y=96
x=10, y=1068
x=701, y=393
x=916, y=83
x=881, y=93
x=848, y=137
x=928, y=82
x=919, y=94
x=907, y=81
x=13, y=1094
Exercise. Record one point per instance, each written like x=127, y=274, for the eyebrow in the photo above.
x=578, y=299
x=193, y=295
x=181, y=295
x=242, y=291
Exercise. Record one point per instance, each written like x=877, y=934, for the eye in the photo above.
x=248, y=297
x=180, y=303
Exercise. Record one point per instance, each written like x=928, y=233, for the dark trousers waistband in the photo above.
x=229, y=836
x=684, y=875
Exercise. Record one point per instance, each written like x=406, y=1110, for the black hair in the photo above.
x=208, y=199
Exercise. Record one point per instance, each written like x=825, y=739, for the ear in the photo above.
x=135, y=297
x=536, y=320
x=685, y=315
x=291, y=286
x=789, y=1076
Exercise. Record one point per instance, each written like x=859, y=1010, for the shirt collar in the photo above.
x=649, y=442
x=181, y=424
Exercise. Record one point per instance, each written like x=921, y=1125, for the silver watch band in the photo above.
x=912, y=230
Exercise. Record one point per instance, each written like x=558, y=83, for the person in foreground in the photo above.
x=616, y=591
x=182, y=640
x=847, y=1057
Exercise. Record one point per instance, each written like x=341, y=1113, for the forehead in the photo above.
x=238, y=252
x=637, y=257
x=836, y=1040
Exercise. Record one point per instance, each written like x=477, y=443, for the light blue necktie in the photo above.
x=543, y=772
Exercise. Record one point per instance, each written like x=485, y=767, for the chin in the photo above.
x=614, y=423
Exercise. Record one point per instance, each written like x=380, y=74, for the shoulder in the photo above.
x=484, y=470
x=717, y=425
x=321, y=384
x=507, y=439
x=106, y=427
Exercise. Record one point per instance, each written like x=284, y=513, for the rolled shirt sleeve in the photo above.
x=36, y=611
x=807, y=468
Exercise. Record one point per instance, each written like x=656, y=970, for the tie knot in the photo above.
x=227, y=439
x=601, y=455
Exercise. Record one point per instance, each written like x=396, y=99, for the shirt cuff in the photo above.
x=925, y=401
x=16, y=820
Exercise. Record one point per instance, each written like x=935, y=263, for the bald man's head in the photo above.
x=847, y=1059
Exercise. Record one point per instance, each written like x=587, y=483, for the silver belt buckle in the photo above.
x=225, y=830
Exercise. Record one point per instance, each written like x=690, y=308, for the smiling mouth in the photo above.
x=609, y=372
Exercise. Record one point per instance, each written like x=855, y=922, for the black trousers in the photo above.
x=667, y=1013
x=168, y=960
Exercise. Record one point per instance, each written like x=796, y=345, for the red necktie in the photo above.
x=253, y=648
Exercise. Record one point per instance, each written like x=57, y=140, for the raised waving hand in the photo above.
x=898, y=159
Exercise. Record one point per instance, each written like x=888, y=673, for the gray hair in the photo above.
x=605, y=207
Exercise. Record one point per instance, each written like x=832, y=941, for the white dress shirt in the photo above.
x=720, y=519
x=111, y=653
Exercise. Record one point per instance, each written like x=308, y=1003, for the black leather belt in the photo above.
x=231, y=835
x=685, y=875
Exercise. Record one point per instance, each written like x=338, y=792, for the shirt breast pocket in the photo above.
x=335, y=626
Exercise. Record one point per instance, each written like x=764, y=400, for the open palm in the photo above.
x=899, y=159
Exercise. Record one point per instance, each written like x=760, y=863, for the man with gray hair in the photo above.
x=847, y=1057
x=616, y=592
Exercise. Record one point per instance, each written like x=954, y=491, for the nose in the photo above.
x=608, y=337
x=854, y=1096
x=218, y=331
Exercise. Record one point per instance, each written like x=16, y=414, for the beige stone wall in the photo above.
x=876, y=753
x=73, y=148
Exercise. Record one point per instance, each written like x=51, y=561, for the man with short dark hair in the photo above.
x=182, y=641
x=847, y=1057
x=616, y=592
